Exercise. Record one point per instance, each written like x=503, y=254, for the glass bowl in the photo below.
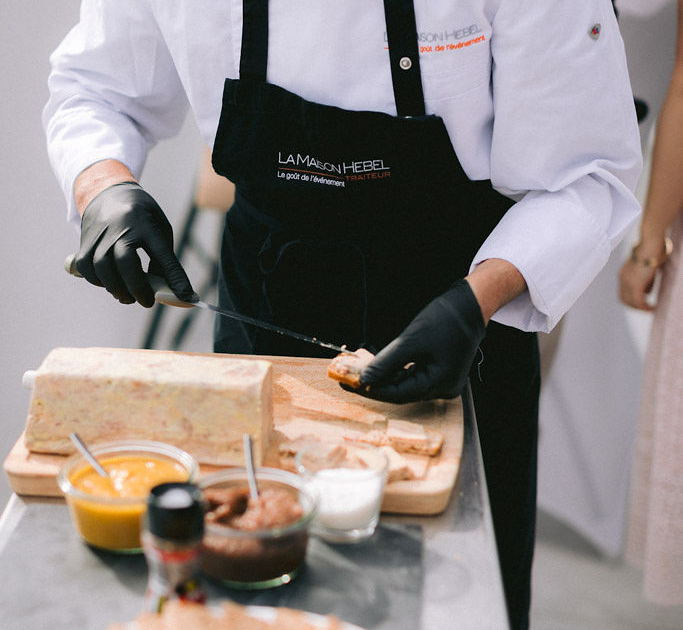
x=252, y=545
x=349, y=480
x=108, y=513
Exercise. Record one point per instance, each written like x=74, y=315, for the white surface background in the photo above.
x=588, y=404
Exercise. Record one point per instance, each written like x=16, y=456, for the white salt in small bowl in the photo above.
x=349, y=481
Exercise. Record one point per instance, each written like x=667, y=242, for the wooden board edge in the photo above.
x=23, y=482
x=399, y=500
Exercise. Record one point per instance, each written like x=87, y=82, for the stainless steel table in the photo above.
x=431, y=573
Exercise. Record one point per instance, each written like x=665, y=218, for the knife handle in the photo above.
x=162, y=292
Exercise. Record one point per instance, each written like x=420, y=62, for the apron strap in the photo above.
x=401, y=36
x=404, y=57
x=254, y=55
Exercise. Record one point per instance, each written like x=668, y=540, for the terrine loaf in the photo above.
x=201, y=403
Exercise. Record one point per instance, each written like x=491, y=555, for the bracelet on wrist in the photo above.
x=653, y=262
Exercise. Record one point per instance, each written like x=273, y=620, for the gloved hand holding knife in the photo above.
x=115, y=223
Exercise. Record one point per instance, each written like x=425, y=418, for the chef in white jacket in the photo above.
x=468, y=166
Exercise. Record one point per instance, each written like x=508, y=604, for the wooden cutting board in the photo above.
x=302, y=390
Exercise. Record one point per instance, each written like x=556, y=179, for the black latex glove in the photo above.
x=118, y=221
x=440, y=343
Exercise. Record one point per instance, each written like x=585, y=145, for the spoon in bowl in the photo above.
x=80, y=445
x=249, y=459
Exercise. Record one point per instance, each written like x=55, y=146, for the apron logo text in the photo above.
x=293, y=167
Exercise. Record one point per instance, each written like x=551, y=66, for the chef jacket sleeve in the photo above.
x=565, y=145
x=114, y=92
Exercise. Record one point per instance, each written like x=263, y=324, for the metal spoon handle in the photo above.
x=249, y=459
x=80, y=445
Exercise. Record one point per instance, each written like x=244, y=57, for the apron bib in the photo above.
x=346, y=223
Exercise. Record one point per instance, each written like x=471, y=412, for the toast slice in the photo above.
x=346, y=367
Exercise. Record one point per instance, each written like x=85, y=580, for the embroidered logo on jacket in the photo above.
x=447, y=40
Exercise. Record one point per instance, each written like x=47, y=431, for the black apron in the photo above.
x=345, y=223
x=355, y=219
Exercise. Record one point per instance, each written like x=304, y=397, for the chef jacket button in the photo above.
x=405, y=63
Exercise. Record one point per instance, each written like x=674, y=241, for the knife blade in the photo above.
x=164, y=295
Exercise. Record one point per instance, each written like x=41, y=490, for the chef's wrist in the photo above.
x=494, y=283
x=94, y=179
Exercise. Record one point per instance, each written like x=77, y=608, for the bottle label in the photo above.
x=173, y=574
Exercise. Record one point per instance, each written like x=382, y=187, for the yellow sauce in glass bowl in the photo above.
x=108, y=512
x=130, y=476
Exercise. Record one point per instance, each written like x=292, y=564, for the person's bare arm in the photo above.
x=665, y=193
x=495, y=282
x=96, y=178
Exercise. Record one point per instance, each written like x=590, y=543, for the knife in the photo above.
x=164, y=295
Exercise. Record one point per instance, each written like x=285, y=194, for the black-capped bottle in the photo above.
x=171, y=541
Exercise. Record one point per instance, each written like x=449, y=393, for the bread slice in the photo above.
x=405, y=437
x=410, y=437
x=398, y=468
x=346, y=367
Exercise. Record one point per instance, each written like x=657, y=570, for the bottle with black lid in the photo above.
x=171, y=541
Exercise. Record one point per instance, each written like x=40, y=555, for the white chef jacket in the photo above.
x=535, y=96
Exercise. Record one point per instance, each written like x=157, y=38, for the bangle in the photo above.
x=653, y=261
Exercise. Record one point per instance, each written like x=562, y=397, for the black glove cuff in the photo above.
x=98, y=196
x=469, y=310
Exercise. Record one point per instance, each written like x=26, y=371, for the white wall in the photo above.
x=649, y=31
